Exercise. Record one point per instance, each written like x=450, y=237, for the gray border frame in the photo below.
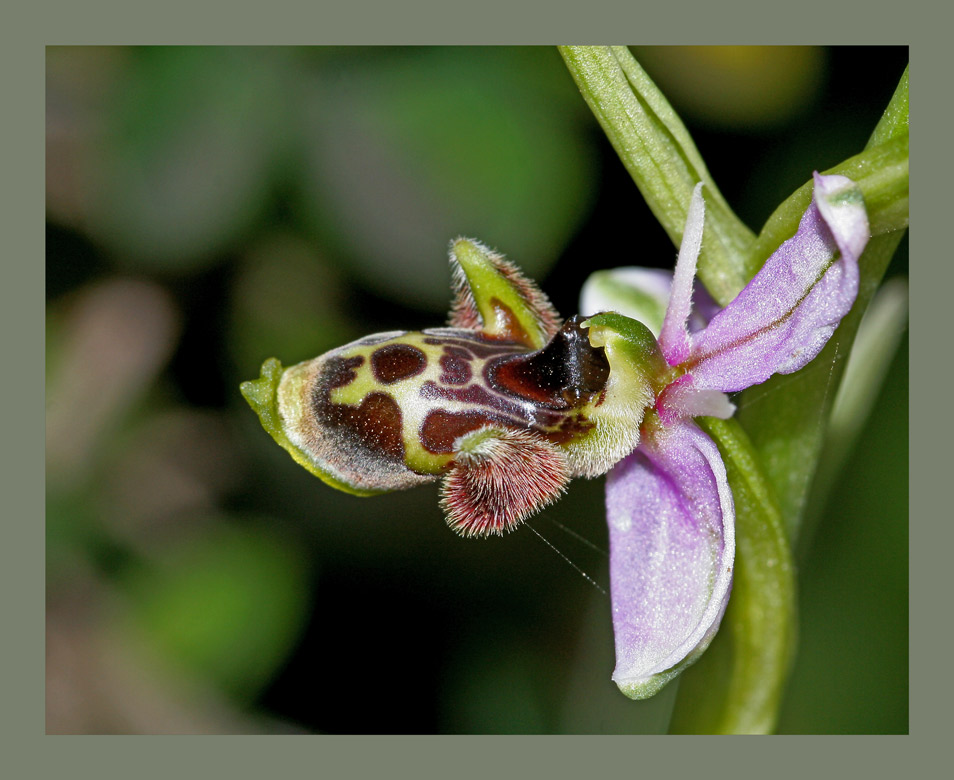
x=432, y=21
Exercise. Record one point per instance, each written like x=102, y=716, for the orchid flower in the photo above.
x=669, y=507
x=507, y=404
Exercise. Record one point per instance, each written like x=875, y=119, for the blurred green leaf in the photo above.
x=852, y=669
x=189, y=146
x=226, y=605
x=749, y=88
x=418, y=147
x=286, y=302
x=880, y=335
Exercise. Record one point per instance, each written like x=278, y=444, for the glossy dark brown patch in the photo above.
x=395, y=362
x=441, y=429
x=565, y=372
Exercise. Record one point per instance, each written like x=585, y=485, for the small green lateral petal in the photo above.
x=262, y=396
x=491, y=295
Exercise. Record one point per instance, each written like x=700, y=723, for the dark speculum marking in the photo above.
x=566, y=372
x=442, y=428
x=376, y=421
x=490, y=408
x=455, y=366
x=397, y=361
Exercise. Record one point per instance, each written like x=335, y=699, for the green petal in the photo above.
x=496, y=297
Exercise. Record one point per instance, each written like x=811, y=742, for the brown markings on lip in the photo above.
x=367, y=431
x=395, y=362
x=477, y=395
x=377, y=421
x=441, y=429
x=455, y=366
x=339, y=372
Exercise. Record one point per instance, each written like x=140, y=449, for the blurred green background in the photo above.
x=208, y=208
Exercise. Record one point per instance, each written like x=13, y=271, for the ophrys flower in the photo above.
x=507, y=404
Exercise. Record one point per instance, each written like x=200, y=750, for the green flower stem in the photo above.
x=879, y=336
x=894, y=121
x=736, y=687
x=881, y=171
x=659, y=154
